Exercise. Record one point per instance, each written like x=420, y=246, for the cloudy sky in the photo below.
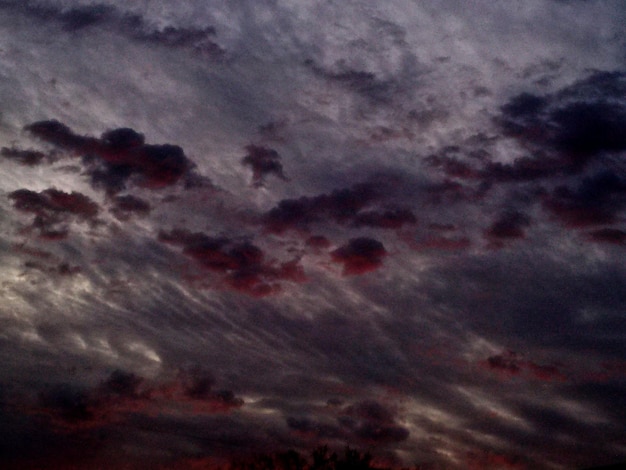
x=232, y=227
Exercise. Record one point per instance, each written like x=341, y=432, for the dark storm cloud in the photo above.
x=54, y=210
x=118, y=156
x=263, y=161
x=23, y=157
x=359, y=255
x=579, y=123
x=244, y=266
x=562, y=132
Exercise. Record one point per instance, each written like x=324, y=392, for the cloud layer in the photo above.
x=241, y=228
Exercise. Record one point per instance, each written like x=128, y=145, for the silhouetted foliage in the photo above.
x=321, y=459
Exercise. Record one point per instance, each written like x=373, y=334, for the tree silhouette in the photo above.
x=321, y=459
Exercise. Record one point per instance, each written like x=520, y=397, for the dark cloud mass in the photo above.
x=118, y=156
x=321, y=235
x=53, y=210
x=580, y=122
x=359, y=255
x=243, y=265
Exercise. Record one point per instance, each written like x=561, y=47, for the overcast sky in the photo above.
x=232, y=227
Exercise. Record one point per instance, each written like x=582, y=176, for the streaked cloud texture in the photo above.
x=232, y=228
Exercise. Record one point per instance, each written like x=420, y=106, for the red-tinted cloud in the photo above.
x=242, y=264
x=359, y=255
x=511, y=363
x=123, y=394
x=118, y=156
x=54, y=209
x=507, y=363
x=263, y=161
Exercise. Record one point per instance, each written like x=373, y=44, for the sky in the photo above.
x=240, y=227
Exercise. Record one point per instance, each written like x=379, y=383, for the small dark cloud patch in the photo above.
x=66, y=405
x=58, y=134
x=84, y=16
x=367, y=422
x=24, y=157
x=608, y=235
x=126, y=206
x=509, y=225
x=118, y=156
x=200, y=41
x=311, y=428
x=507, y=362
x=597, y=200
x=523, y=169
x=196, y=383
x=359, y=255
x=121, y=384
x=389, y=219
x=450, y=164
x=243, y=265
x=263, y=161
x=362, y=82
x=510, y=363
x=63, y=269
x=373, y=423
x=53, y=210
